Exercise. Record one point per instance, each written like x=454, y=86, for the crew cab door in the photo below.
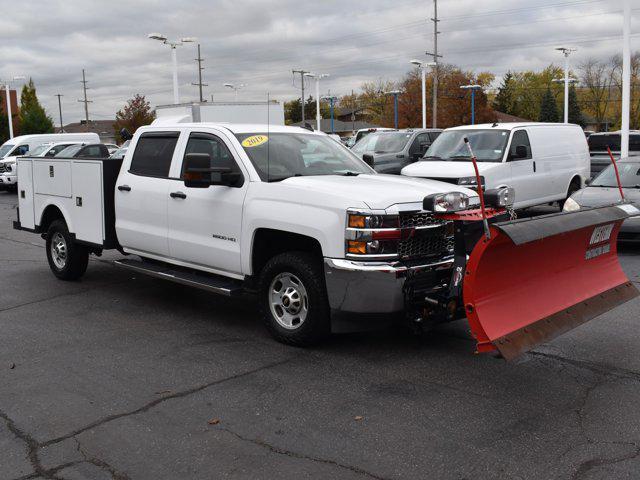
x=142, y=193
x=205, y=223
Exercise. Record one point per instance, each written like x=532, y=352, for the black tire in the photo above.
x=70, y=264
x=316, y=325
x=574, y=186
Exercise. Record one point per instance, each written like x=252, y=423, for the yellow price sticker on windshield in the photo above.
x=254, y=141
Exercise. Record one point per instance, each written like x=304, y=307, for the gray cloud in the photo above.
x=259, y=42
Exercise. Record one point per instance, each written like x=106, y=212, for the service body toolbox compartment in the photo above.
x=82, y=189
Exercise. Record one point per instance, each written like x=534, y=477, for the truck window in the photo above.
x=153, y=154
x=21, y=150
x=420, y=144
x=520, y=137
x=91, y=151
x=214, y=147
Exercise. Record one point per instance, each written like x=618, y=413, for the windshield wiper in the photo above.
x=431, y=156
x=350, y=174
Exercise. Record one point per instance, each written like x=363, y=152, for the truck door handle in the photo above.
x=178, y=195
x=534, y=166
x=124, y=188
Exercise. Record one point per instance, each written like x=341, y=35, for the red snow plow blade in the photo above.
x=537, y=278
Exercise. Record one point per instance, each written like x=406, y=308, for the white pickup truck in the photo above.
x=281, y=210
x=327, y=244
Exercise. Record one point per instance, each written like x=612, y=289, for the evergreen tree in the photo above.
x=548, y=108
x=33, y=118
x=136, y=113
x=4, y=128
x=504, y=99
x=292, y=111
x=575, y=114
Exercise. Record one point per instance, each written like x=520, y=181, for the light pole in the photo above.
x=235, y=88
x=566, y=51
x=422, y=66
x=626, y=78
x=473, y=88
x=395, y=94
x=173, y=44
x=7, y=90
x=331, y=101
x=318, y=77
x=566, y=95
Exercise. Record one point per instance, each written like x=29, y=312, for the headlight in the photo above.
x=570, y=205
x=446, y=202
x=470, y=181
x=361, y=220
x=372, y=235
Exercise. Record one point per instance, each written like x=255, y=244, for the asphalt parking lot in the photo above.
x=126, y=377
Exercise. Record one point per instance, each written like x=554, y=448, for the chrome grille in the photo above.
x=2, y=168
x=418, y=219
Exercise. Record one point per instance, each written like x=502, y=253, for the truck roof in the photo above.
x=511, y=126
x=235, y=127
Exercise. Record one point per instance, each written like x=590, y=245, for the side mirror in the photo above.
x=588, y=181
x=521, y=152
x=125, y=134
x=198, y=173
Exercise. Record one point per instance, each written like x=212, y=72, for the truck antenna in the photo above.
x=268, y=139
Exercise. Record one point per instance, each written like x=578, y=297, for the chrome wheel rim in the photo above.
x=59, y=250
x=288, y=301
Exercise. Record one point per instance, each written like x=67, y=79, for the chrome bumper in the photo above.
x=372, y=287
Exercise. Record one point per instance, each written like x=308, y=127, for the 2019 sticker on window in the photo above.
x=254, y=141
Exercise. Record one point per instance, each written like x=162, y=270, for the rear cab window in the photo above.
x=153, y=154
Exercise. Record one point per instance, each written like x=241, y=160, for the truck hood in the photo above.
x=8, y=159
x=376, y=191
x=444, y=169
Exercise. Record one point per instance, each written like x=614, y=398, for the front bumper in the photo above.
x=6, y=180
x=377, y=287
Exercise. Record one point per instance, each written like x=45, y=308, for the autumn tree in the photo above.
x=596, y=79
x=548, y=108
x=136, y=113
x=33, y=119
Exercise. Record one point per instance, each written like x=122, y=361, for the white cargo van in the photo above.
x=25, y=144
x=543, y=162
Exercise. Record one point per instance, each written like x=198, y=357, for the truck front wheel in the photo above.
x=67, y=259
x=293, y=299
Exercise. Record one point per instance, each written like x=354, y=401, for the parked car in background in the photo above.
x=112, y=147
x=363, y=132
x=23, y=144
x=598, y=143
x=543, y=162
x=603, y=190
x=51, y=149
x=93, y=150
x=122, y=151
x=389, y=151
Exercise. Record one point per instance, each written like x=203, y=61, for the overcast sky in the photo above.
x=259, y=42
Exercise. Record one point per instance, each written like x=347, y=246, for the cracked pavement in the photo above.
x=126, y=377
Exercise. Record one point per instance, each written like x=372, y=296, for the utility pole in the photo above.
x=353, y=113
x=85, y=101
x=435, y=56
x=60, y=110
x=302, y=74
x=200, y=68
x=566, y=52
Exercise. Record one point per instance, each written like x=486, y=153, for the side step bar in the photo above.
x=211, y=283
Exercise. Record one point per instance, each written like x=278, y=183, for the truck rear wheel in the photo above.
x=67, y=259
x=293, y=299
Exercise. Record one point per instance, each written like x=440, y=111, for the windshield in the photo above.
x=487, y=145
x=382, y=142
x=5, y=149
x=39, y=150
x=629, y=176
x=277, y=156
x=69, y=152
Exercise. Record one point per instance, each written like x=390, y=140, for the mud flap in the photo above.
x=537, y=278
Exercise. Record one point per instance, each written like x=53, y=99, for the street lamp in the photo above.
x=473, y=89
x=566, y=51
x=566, y=96
x=7, y=89
x=235, y=88
x=318, y=77
x=174, y=57
x=395, y=94
x=422, y=66
x=331, y=101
